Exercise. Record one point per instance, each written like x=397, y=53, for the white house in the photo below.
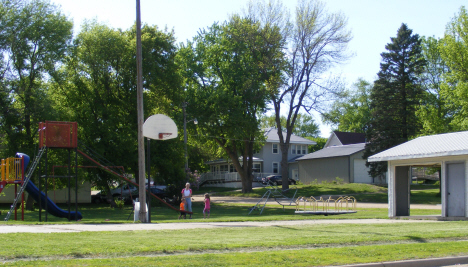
x=449, y=152
x=266, y=161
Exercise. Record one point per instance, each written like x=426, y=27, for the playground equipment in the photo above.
x=279, y=196
x=12, y=172
x=329, y=206
x=59, y=135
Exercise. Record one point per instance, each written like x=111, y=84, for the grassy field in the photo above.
x=306, y=245
x=310, y=245
x=420, y=194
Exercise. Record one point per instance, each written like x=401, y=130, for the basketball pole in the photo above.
x=141, y=141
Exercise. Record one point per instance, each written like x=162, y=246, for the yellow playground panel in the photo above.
x=311, y=205
x=11, y=170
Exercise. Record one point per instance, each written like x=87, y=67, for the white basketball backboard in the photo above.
x=159, y=127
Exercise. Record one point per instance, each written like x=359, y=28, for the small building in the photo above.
x=449, y=152
x=341, y=157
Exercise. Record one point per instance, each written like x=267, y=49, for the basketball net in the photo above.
x=164, y=135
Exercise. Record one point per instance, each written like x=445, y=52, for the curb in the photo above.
x=417, y=263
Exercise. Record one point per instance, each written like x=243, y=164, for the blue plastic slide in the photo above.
x=52, y=208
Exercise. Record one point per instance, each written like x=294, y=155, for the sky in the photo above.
x=372, y=22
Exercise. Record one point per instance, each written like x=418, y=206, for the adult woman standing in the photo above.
x=187, y=194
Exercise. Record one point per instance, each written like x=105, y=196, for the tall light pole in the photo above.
x=184, y=105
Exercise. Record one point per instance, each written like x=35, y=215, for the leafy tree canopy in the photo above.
x=305, y=125
x=34, y=38
x=434, y=113
x=226, y=68
x=454, y=52
x=351, y=113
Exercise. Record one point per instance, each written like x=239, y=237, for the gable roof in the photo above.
x=271, y=135
x=335, y=151
x=350, y=138
x=448, y=144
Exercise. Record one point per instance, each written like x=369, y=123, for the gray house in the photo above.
x=266, y=161
x=341, y=157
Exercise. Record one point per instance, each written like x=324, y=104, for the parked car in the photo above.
x=276, y=180
x=97, y=198
x=124, y=190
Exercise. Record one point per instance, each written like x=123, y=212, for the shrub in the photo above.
x=119, y=202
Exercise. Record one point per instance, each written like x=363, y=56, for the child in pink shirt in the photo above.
x=206, y=210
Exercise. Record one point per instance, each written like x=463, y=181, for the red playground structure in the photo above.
x=52, y=135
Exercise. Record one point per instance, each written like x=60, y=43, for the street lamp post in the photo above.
x=184, y=105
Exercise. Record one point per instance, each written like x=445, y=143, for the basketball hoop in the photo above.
x=163, y=136
x=159, y=127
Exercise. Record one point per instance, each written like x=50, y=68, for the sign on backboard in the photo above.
x=159, y=127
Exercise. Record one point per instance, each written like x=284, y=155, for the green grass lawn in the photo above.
x=239, y=212
x=364, y=193
x=309, y=245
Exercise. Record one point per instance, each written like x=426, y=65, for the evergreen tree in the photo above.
x=395, y=96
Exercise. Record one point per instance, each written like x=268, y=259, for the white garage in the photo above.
x=361, y=172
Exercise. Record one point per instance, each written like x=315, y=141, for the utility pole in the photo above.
x=184, y=105
x=141, y=140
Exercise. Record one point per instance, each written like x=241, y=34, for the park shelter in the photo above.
x=449, y=152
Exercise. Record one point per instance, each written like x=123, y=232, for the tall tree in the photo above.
x=395, y=96
x=351, y=112
x=433, y=113
x=97, y=88
x=34, y=38
x=454, y=52
x=315, y=42
x=226, y=68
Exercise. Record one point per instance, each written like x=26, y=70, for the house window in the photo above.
x=232, y=168
x=275, y=148
x=299, y=149
x=223, y=168
x=257, y=167
x=275, y=167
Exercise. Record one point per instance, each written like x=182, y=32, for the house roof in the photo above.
x=448, y=144
x=271, y=135
x=335, y=151
x=350, y=138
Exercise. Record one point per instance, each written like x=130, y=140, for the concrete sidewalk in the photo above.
x=73, y=228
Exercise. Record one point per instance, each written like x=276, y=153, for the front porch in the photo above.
x=228, y=179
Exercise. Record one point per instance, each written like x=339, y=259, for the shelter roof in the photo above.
x=448, y=144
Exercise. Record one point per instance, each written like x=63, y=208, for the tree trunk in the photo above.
x=30, y=203
x=284, y=166
x=245, y=170
x=110, y=198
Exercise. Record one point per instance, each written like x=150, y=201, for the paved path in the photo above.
x=63, y=228
x=71, y=228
